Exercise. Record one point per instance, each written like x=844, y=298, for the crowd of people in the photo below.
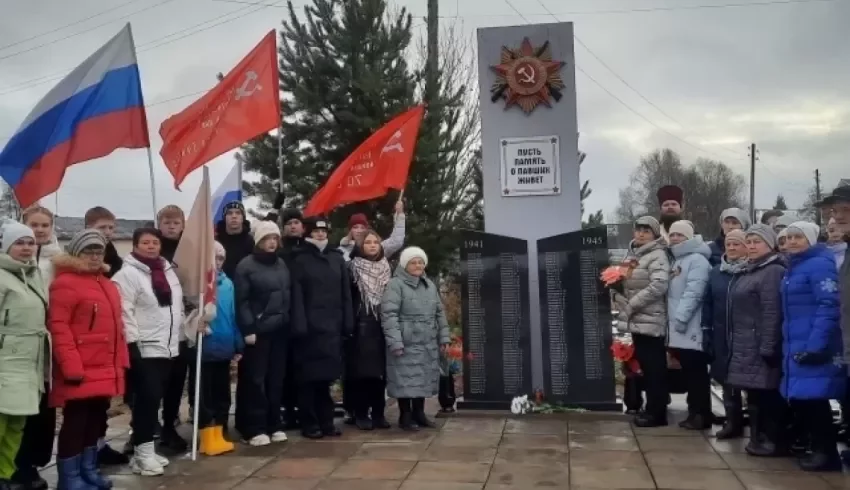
x=82, y=325
x=763, y=311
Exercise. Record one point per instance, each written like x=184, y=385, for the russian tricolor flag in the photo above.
x=228, y=191
x=92, y=112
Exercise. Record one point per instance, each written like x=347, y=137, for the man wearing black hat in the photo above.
x=234, y=234
x=670, y=199
x=837, y=206
x=292, y=228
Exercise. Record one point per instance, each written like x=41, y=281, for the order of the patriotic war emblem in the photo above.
x=527, y=76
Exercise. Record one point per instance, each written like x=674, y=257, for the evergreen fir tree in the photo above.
x=780, y=203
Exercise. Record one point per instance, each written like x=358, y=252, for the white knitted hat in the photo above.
x=411, y=253
x=263, y=229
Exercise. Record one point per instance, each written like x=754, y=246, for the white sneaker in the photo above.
x=260, y=440
x=144, y=461
x=162, y=460
x=279, y=436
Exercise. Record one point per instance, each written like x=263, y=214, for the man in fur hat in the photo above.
x=670, y=199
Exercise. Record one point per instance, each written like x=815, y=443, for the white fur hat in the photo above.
x=264, y=229
x=411, y=253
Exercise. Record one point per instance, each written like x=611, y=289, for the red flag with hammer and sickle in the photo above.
x=379, y=164
x=242, y=106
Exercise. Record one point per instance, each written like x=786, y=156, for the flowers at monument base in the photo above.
x=454, y=355
x=624, y=352
x=521, y=406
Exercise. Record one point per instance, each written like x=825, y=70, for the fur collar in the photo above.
x=68, y=263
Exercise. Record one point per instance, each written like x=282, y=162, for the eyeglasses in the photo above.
x=93, y=253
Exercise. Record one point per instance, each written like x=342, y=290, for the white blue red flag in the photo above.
x=92, y=112
x=228, y=191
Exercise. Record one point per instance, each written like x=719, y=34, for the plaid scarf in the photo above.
x=371, y=277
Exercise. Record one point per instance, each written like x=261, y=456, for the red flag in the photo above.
x=380, y=163
x=243, y=105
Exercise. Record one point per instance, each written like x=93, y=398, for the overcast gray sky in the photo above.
x=712, y=76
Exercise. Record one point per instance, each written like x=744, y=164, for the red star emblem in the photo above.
x=527, y=77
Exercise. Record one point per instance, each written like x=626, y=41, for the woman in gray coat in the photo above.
x=641, y=301
x=415, y=329
x=755, y=359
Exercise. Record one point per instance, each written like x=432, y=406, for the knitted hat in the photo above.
x=785, y=220
x=233, y=205
x=13, y=231
x=651, y=223
x=358, y=219
x=737, y=213
x=764, y=232
x=682, y=227
x=735, y=236
x=809, y=230
x=263, y=229
x=315, y=222
x=783, y=233
x=84, y=239
x=670, y=193
x=290, y=214
x=219, y=249
x=411, y=253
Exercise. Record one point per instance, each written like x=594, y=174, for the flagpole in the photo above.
x=198, y=353
x=153, y=184
x=56, y=197
x=280, y=157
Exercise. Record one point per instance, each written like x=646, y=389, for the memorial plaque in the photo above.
x=496, y=328
x=578, y=369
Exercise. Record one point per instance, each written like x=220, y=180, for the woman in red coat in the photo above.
x=90, y=354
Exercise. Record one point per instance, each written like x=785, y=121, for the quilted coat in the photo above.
x=224, y=340
x=755, y=305
x=643, y=309
x=413, y=319
x=688, y=279
x=811, y=311
x=715, y=319
x=85, y=323
x=24, y=339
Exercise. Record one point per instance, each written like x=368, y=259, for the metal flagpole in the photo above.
x=153, y=184
x=280, y=157
x=199, y=350
x=56, y=197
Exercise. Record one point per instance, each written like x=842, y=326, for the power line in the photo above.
x=86, y=19
x=25, y=85
x=69, y=36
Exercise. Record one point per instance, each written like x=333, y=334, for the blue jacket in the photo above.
x=715, y=322
x=225, y=340
x=718, y=248
x=688, y=281
x=810, y=305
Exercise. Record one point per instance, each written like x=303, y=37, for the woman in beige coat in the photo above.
x=641, y=301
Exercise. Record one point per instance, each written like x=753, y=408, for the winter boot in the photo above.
x=824, y=455
x=687, y=422
x=171, y=440
x=733, y=428
x=145, y=461
x=379, y=421
x=212, y=441
x=405, y=415
x=29, y=479
x=697, y=422
x=107, y=456
x=312, y=432
x=70, y=477
x=645, y=419
x=419, y=416
x=89, y=471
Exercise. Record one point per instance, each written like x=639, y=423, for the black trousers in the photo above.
x=149, y=377
x=289, y=400
x=733, y=403
x=315, y=405
x=37, y=443
x=632, y=393
x=769, y=415
x=815, y=417
x=214, y=406
x=366, y=395
x=651, y=354
x=347, y=399
x=82, y=424
x=182, y=365
x=446, y=394
x=697, y=380
x=260, y=386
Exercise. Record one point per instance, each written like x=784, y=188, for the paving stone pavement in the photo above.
x=576, y=452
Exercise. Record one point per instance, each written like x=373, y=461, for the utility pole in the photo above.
x=433, y=51
x=817, y=196
x=753, y=159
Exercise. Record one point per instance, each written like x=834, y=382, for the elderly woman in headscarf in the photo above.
x=813, y=371
x=365, y=351
x=717, y=329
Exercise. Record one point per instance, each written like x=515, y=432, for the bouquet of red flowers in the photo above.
x=612, y=277
x=625, y=353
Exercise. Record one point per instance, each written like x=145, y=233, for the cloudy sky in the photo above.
x=704, y=77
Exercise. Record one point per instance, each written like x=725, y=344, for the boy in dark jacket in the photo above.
x=234, y=233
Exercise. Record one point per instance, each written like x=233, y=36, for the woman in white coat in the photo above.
x=152, y=310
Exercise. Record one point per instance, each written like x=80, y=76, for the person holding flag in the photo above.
x=358, y=225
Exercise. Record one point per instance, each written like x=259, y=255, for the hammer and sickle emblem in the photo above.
x=528, y=74
x=249, y=86
x=393, y=144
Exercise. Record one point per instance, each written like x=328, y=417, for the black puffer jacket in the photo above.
x=236, y=246
x=287, y=249
x=755, y=313
x=263, y=294
x=321, y=312
x=366, y=350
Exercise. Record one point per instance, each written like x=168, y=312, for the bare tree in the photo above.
x=709, y=187
x=9, y=207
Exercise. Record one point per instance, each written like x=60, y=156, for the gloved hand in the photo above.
x=812, y=358
x=135, y=352
x=74, y=381
x=772, y=361
x=708, y=342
